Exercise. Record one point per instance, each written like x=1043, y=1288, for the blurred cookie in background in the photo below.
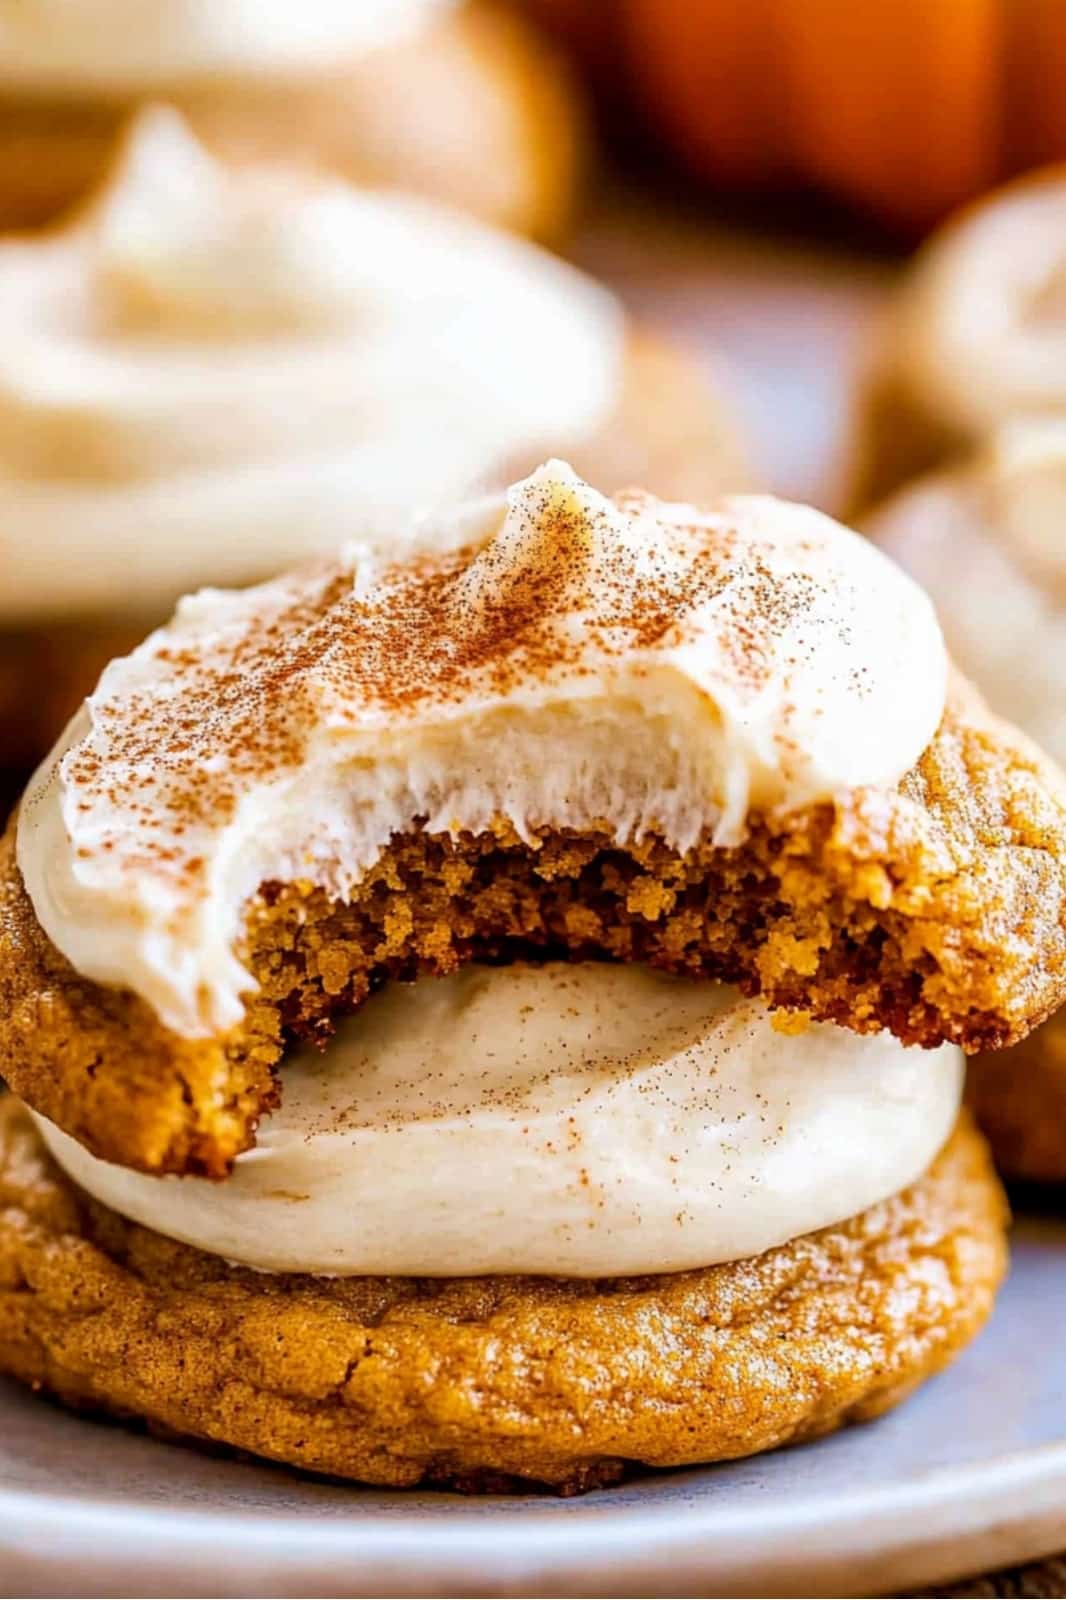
x=985, y=538
x=457, y=99
x=211, y=373
x=1019, y=1098
x=975, y=337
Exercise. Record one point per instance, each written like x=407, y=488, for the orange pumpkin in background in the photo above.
x=902, y=109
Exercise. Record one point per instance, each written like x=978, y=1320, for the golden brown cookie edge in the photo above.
x=570, y=1383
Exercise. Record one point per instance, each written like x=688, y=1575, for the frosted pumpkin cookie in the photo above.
x=392, y=895
x=462, y=102
x=975, y=338
x=985, y=539
x=207, y=376
x=724, y=743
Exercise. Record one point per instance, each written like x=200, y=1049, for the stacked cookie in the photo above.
x=210, y=374
x=496, y=1014
x=970, y=389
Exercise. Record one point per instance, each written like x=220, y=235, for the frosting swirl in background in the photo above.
x=215, y=374
x=147, y=46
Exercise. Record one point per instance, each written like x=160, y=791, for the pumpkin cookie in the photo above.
x=997, y=519
x=972, y=340
x=464, y=103
x=398, y=1381
x=723, y=743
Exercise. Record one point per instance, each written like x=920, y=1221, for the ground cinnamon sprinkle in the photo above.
x=562, y=591
x=934, y=906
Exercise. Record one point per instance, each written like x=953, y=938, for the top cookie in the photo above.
x=721, y=742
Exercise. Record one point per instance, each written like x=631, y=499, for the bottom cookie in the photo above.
x=1019, y=1099
x=398, y=1381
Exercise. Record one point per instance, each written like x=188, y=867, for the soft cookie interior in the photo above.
x=935, y=910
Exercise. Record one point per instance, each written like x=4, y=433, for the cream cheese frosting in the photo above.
x=215, y=374
x=145, y=46
x=980, y=334
x=579, y=662
x=583, y=1120
x=986, y=541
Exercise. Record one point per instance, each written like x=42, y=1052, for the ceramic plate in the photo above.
x=969, y=1475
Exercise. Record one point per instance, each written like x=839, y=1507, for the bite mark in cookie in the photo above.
x=715, y=742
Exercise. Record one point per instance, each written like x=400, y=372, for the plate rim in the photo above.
x=917, y=1522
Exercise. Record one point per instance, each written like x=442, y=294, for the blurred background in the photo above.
x=277, y=274
x=770, y=166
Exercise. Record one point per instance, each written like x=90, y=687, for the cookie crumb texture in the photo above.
x=471, y=1382
x=937, y=910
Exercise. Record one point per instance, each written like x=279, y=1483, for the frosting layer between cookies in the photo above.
x=215, y=374
x=585, y=1120
x=141, y=46
x=627, y=665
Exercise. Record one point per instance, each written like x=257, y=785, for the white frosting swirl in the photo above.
x=581, y=663
x=141, y=47
x=980, y=334
x=585, y=1121
x=216, y=374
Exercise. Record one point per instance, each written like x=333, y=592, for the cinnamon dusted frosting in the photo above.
x=981, y=331
x=145, y=46
x=580, y=1120
x=215, y=374
x=579, y=662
